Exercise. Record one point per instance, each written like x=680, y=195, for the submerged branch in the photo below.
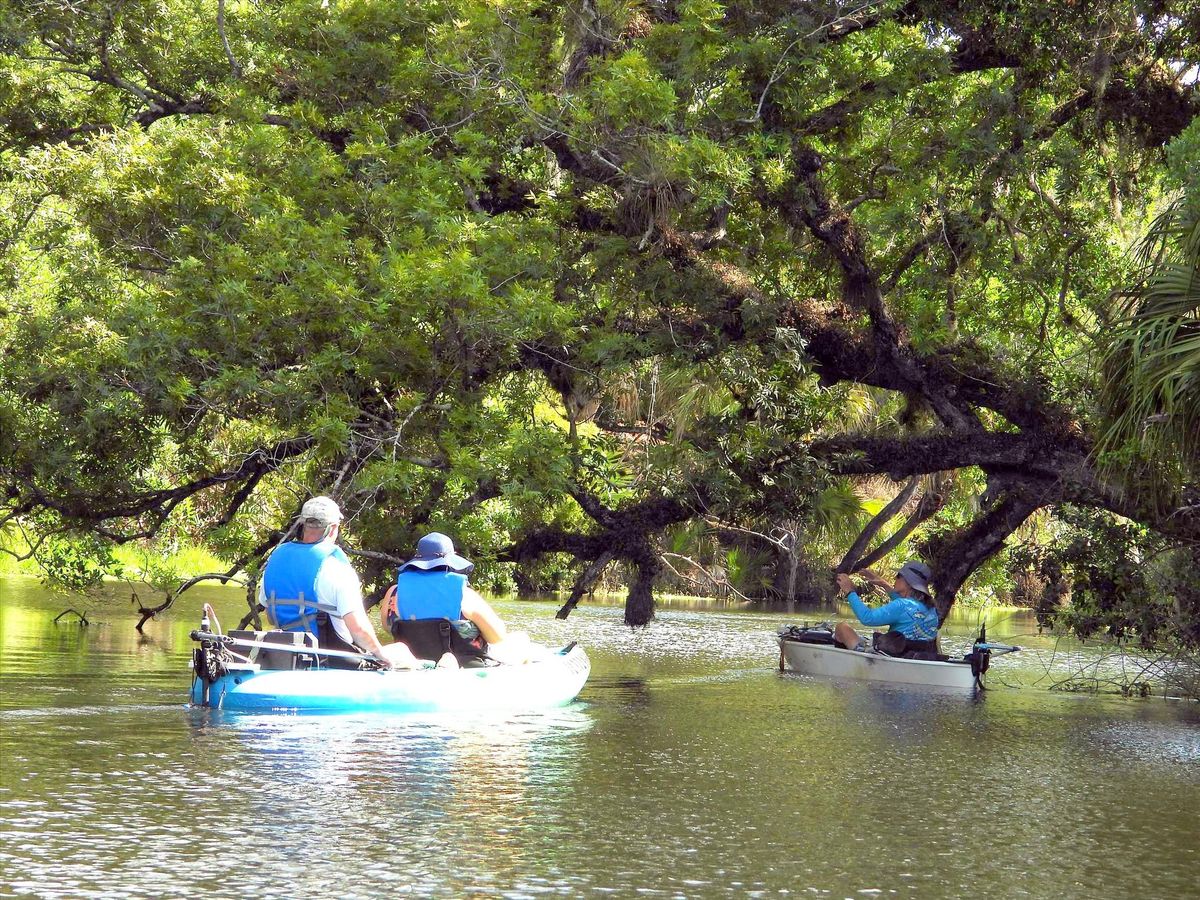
x=149, y=612
x=584, y=583
x=230, y=574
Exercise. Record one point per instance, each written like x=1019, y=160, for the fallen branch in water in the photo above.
x=83, y=620
x=720, y=584
x=149, y=612
x=1120, y=670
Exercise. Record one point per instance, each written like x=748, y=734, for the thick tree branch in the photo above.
x=584, y=583
x=808, y=205
x=937, y=452
x=626, y=535
x=928, y=506
x=955, y=559
x=849, y=561
x=225, y=577
x=91, y=509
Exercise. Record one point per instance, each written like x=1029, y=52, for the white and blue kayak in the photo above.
x=228, y=680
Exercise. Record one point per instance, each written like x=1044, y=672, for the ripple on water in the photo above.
x=690, y=769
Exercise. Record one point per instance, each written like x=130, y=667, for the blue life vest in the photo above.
x=428, y=617
x=429, y=595
x=290, y=585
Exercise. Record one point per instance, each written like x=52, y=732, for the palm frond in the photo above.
x=1151, y=392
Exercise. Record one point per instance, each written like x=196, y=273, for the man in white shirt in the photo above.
x=309, y=585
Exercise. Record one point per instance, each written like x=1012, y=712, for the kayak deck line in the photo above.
x=301, y=649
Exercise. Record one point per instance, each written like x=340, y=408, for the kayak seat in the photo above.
x=276, y=659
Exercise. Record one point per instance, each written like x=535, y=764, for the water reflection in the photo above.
x=446, y=742
x=470, y=785
x=692, y=769
x=902, y=718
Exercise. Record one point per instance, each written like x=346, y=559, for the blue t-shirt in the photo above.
x=907, y=615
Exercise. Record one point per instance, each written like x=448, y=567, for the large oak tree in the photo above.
x=256, y=250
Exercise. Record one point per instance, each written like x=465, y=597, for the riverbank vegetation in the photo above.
x=700, y=298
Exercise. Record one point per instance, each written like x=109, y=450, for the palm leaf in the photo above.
x=1151, y=433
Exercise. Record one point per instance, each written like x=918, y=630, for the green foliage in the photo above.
x=1152, y=386
x=837, y=513
x=163, y=565
x=628, y=91
x=1106, y=576
x=76, y=563
x=748, y=572
x=456, y=261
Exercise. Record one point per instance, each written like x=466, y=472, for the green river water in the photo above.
x=689, y=768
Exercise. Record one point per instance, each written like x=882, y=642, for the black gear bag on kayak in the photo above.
x=431, y=638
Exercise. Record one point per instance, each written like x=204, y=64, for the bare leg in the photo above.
x=846, y=636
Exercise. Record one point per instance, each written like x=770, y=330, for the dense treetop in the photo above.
x=559, y=278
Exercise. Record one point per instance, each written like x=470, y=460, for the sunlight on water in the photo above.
x=689, y=768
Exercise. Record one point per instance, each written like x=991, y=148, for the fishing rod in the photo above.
x=998, y=649
x=227, y=640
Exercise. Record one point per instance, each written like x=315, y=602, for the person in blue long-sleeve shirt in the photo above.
x=910, y=611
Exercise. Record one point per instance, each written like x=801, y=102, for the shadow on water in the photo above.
x=630, y=692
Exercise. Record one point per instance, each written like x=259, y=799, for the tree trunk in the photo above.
x=527, y=588
x=639, y=605
x=797, y=581
x=850, y=562
x=929, y=504
x=956, y=558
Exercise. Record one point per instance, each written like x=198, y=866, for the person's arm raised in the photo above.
x=888, y=614
x=876, y=579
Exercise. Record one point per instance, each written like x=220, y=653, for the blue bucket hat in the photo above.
x=436, y=551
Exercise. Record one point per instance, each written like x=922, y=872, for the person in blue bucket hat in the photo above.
x=436, y=612
x=910, y=612
x=436, y=551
